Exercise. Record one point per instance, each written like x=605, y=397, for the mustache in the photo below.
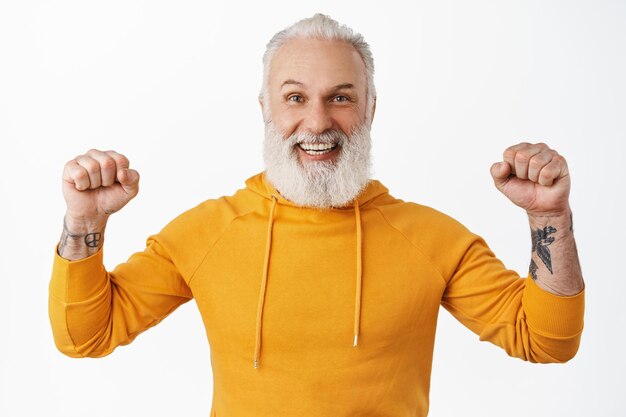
x=335, y=137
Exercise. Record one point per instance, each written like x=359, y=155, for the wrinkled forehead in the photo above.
x=317, y=64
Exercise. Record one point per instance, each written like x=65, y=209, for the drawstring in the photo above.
x=359, y=274
x=266, y=263
x=266, y=266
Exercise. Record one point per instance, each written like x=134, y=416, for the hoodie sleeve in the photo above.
x=510, y=311
x=92, y=311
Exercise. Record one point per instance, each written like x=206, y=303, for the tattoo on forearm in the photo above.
x=541, y=239
x=91, y=240
x=533, y=269
x=63, y=241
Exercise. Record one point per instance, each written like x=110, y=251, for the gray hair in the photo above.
x=321, y=26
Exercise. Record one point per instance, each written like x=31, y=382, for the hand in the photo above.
x=97, y=184
x=535, y=178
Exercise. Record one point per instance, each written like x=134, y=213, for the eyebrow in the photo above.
x=342, y=86
x=291, y=82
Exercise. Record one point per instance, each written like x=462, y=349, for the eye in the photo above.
x=296, y=98
x=341, y=99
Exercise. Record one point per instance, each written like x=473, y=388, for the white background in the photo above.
x=174, y=86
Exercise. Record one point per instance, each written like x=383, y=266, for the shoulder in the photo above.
x=190, y=235
x=210, y=217
x=440, y=237
x=409, y=216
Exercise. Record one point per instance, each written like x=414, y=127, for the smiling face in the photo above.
x=316, y=86
x=317, y=132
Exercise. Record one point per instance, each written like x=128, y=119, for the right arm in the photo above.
x=91, y=310
x=95, y=185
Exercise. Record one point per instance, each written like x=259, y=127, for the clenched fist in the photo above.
x=535, y=178
x=97, y=184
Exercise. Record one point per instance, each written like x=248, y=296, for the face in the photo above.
x=316, y=86
x=317, y=142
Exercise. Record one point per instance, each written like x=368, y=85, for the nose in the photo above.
x=318, y=118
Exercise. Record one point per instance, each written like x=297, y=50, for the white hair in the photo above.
x=321, y=26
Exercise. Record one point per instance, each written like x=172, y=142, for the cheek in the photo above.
x=286, y=121
x=349, y=121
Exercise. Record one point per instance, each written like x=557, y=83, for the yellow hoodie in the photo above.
x=313, y=312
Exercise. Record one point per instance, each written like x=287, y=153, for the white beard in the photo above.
x=321, y=184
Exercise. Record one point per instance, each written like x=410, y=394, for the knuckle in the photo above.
x=91, y=166
x=535, y=162
x=521, y=156
x=509, y=154
x=118, y=158
x=550, y=170
x=80, y=174
x=69, y=166
x=108, y=164
x=123, y=160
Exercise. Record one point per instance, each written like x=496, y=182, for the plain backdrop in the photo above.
x=173, y=85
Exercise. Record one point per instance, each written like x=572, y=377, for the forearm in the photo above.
x=554, y=261
x=81, y=238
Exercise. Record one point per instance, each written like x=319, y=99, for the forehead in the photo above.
x=317, y=63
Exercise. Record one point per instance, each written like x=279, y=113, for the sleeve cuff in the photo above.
x=75, y=281
x=553, y=315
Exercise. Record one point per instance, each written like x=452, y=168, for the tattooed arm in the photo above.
x=536, y=178
x=95, y=185
x=93, y=310
x=80, y=239
x=554, y=261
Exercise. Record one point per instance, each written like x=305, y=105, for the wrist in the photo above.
x=80, y=238
x=561, y=216
x=80, y=225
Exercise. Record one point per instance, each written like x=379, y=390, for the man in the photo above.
x=314, y=283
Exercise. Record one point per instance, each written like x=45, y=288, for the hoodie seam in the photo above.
x=65, y=307
x=210, y=249
x=428, y=258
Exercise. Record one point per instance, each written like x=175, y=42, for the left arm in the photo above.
x=536, y=178
x=539, y=318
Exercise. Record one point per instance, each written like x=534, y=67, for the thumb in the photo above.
x=500, y=172
x=129, y=180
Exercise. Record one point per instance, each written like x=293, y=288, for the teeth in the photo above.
x=316, y=146
x=310, y=152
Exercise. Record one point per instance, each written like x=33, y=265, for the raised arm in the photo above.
x=95, y=185
x=92, y=310
x=539, y=318
x=536, y=178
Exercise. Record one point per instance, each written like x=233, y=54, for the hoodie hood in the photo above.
x=262, y=186
x=259, y=184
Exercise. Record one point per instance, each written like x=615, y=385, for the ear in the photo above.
x=264, y=110
x=373, y=109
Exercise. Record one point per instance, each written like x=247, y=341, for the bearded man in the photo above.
x=319, y=291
